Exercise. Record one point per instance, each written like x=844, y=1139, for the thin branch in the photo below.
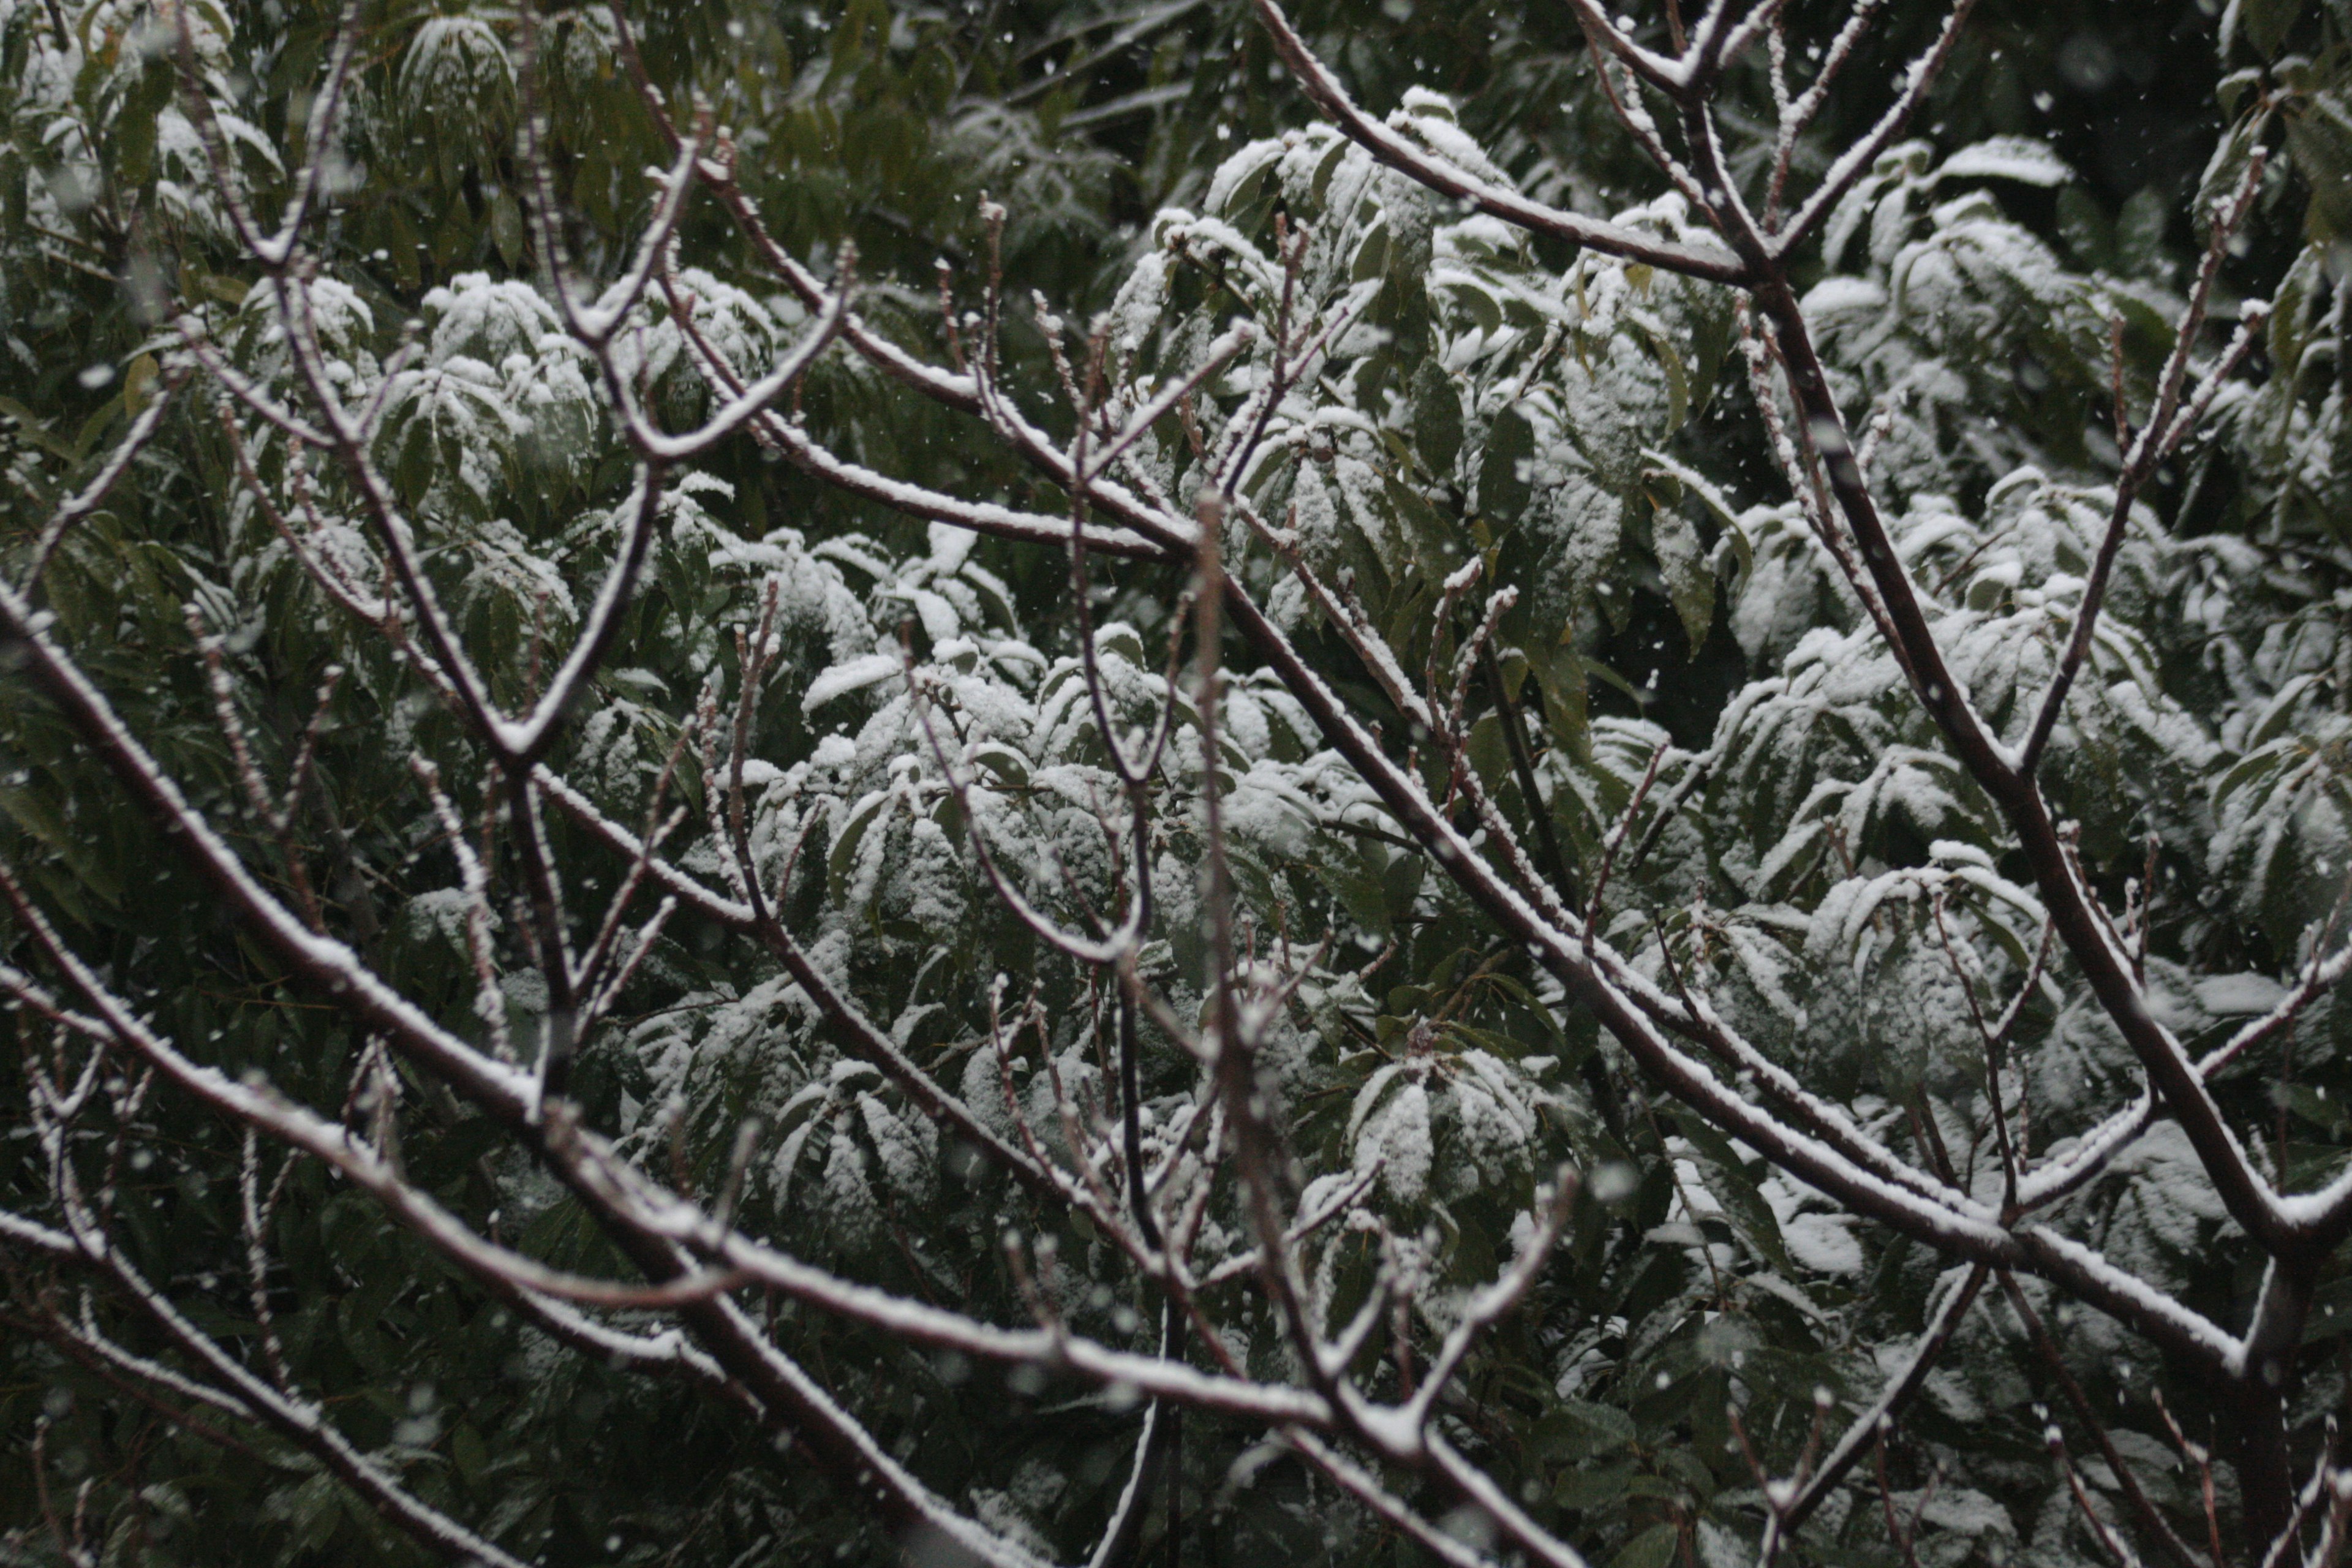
x=1391, y=147
x=2153, y=1522
x=1859, y=158
x=1893, y=1397
x=2163, y=432
x=93, y=495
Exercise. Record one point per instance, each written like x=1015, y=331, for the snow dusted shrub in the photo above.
x=1470, y=881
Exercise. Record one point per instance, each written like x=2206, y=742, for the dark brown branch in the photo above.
x=2153, y=1522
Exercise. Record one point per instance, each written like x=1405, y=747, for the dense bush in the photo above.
x=984, y=785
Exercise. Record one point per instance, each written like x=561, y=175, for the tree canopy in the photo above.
x=1096, y=783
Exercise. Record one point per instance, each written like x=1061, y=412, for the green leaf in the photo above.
x=1400, y=884
x=1579, y=1430
x=1560, y=673
x=2312, y=1105
x=842, y=857
x=138, y=383
x=1732, y=1187
x=1502, y=479
x=2319, y=135
x=312, y=1508
x=1429, y=540
x=1436, y=417
x=2139, y=229
x=1586, y=1491
x=1654, y=1548
x=1490, y=754
x=505, y=226
x=2084, y=228
x=96, y=426
x=1360, y=883
x=134, y=124
x=2267, y=22
x=1689, y=570
x=467, y=1451
x=29, y=426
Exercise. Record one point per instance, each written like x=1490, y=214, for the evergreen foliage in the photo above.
x=880, y=784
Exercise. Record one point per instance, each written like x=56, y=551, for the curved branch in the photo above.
x=1393, y=148
x=294, y=1419
x=1856, y=160
x=118, y=463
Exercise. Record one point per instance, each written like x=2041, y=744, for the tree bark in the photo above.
x=2258, y=1404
